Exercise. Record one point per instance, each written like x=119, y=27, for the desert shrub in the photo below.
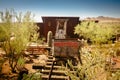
x=97, y=63
x=92, y=68
x=32, y=76
x=16, y=31
x=96, y=32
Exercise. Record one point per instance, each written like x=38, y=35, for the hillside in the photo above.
x=104, y=19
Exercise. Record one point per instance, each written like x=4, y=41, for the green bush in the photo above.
x=16, y=31
x=98, y=33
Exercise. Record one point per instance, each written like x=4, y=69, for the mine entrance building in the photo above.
x=61, y=27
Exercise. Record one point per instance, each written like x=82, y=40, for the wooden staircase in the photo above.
x=52, y=70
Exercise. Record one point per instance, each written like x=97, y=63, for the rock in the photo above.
x=6, y=70
x=41, y=60
x=35, y=60
x=43, y=57
x=29, y=68
x=27, y=53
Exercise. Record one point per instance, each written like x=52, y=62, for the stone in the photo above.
x=6, y=70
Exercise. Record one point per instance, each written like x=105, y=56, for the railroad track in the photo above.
x=52, y=70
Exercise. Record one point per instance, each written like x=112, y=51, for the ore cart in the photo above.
x=64, y=49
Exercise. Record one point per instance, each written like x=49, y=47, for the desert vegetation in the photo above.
x=17, y=30
x=100, y=55
x=100, y=58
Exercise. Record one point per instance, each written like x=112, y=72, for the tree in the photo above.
x=16, y=30
x=96, y=32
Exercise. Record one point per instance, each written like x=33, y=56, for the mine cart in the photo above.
x=66, y=49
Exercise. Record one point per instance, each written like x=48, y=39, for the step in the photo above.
x=54, y=72
x=49, y=63
x=50, y=57
x=38, y=66
x=50, y=60
x=55, y=77
x=55, y=67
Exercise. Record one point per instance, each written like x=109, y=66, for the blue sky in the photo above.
x=79, y=8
